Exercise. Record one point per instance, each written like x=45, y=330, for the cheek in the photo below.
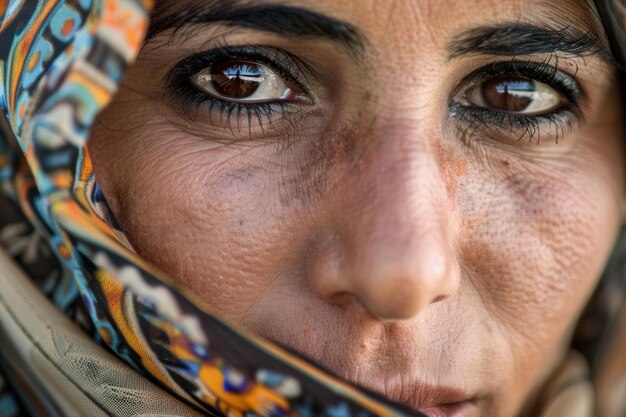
x=533, y=246
x=220, y=219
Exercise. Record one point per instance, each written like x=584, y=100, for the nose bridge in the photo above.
x=399, y=197
x=394, y=227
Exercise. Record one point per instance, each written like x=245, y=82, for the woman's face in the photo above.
x=420, y=195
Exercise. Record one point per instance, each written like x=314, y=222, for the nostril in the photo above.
x=341, y=299
x=439, y=299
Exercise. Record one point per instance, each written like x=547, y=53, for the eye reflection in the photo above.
x=241, y=81
x=516, y=94
x=236, y=79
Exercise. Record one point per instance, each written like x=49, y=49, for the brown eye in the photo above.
x=242, y=81
x=236, y=79
x=508, y=93
x=516, y=94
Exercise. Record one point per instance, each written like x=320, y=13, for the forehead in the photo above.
x=397, y=35
x=408, y=21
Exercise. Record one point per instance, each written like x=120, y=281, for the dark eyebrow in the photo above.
x=279, y=19
x=518, y=40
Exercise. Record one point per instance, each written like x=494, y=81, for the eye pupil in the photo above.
x=236, y=79
x=508, y=93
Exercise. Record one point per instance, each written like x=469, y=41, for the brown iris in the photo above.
x=508, y=93
x=236, y=79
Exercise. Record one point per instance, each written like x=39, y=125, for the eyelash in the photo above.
x=561, y=120
x=470, y=117
x=285, y=64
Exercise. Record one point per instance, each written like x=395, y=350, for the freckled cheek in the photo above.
x=534, y=247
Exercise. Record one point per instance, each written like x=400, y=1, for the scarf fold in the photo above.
x=70, y=375
x=145, y=348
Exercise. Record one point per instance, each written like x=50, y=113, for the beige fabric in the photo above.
x=80, y=375
x=570, y=393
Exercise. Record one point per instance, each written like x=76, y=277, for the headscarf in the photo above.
x=145, y=347
x=613, y=13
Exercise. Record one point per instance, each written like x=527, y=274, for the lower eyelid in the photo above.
x=234, y=117
x=555, y=125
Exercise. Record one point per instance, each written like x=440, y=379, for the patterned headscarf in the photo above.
x=145, y=348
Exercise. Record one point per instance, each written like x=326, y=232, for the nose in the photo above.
x=391, y=242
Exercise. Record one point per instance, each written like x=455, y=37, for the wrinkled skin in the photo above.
x=372, y=230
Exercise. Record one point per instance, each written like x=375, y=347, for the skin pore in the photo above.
x=378, y=215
